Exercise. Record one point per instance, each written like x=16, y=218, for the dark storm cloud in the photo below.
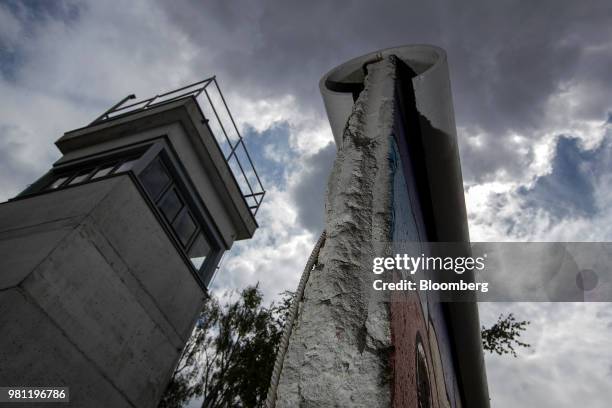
x=481, y=162
x=28, y=15
x=309, y=192
x=506, y=58
x=36, y=10
x=285, y=47
x=20, y=173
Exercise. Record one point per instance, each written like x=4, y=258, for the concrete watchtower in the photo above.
x=106, y=259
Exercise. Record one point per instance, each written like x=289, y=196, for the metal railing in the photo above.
x=231, y=143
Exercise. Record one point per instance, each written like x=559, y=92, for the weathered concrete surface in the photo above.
x=339, y=350
x=332, y=359
x=31, y=229
x=93, y=295
x=35, y=352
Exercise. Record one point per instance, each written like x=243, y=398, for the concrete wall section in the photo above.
x=339, y=352
x=425, y=131
x=108, y=304
x=34, y=351
x=133, y=236
x=351, y=347
x=30, y=229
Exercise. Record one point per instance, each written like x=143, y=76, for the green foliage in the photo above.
x=230, y=355
x=502, y=337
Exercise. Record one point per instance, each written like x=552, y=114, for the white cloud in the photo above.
x=10, y=29
x=275, y=256
x=262, y=114
x=569, y=361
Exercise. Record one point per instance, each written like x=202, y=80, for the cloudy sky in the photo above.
x=532, y=89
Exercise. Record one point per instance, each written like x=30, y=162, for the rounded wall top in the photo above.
x=419, y=57
x=340, y=84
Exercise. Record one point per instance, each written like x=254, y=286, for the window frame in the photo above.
x=90, y=166
x=197, y=209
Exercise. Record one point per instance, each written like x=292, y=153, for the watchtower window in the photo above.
x=56, y=183
x=80, y=175
x=171, y=203
x=199, y=251
x=103, y=171
x=155, y=178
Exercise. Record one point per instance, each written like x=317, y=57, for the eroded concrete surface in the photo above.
x=341, y=345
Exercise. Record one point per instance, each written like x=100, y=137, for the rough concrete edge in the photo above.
x=339, y=349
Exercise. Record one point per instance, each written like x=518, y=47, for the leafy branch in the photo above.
x=503, y=336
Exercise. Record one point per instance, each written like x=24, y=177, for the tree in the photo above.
x=502, y=337
x=229, y=358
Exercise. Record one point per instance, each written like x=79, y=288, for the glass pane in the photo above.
x=58, y=182
x=126, y=166
x=199, y=251
x=184, y=226
x=103, y=172
x=80, y=178
x=155, y=178
x=170, y=204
